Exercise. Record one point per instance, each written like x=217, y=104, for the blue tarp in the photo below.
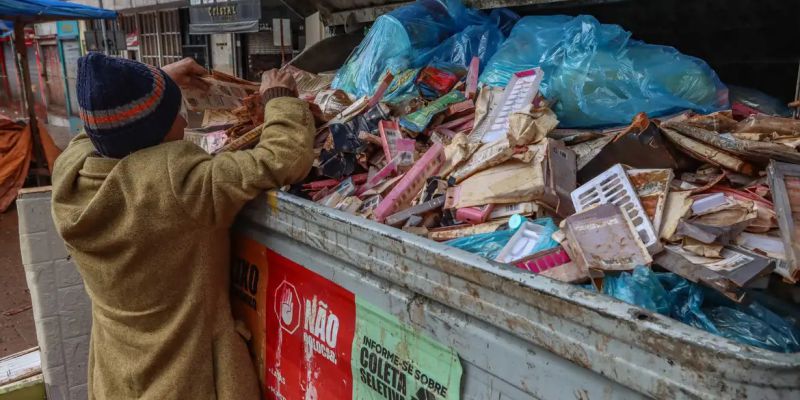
x=6, y=28
x=31, y=11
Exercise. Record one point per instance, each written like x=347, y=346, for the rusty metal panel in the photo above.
x=520, y=336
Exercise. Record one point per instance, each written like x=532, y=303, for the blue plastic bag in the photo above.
x=392, y=43
x=505, y=19
x=465, y=16
x=426, y=32
x=755, y=325
x=475, y=40
x=674, y=296
x=600, y=76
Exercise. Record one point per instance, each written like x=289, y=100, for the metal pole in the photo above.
x=103, y=30
x=797, y=92
x=22, y=62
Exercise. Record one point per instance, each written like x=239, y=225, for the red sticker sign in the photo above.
x=309, y=334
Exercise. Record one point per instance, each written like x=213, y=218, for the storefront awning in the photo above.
x=31, y=11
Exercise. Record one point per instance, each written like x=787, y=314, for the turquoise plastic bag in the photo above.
x=602, y=77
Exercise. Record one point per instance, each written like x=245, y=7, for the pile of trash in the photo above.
x=562, y=147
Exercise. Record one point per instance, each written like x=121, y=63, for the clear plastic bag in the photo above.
x=600, y=76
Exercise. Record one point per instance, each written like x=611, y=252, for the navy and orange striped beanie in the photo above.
x=125, y=105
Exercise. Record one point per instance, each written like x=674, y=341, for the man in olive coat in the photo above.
x=146, y=217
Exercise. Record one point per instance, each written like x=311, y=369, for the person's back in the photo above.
x=147, y=225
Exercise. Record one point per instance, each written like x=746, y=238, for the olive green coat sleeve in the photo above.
x=212, y=190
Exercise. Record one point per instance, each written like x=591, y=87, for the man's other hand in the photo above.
x=275, y=78
x=187, y=74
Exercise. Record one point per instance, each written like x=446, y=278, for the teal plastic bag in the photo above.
x=602, y=77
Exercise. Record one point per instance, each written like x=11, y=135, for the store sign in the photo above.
x=67, y=29
x=223, y=16
x=320, y=341
x=132, y=39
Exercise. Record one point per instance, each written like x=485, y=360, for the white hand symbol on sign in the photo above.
x=287, y=307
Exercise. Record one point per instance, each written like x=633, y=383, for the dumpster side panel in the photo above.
x=590, y=335
x=496, y=365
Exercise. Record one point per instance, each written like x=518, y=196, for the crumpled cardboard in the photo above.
x=455, y=153
x=332, y=102
x=485, y=157
x=652, y=188
x=721, y=226
x=721, y=121
x=588, y=150
x=488, y=98
x=761, y=123
x=525, y=129
x=532, y=127
x=548, y=179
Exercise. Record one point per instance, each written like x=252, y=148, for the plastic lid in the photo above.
x=516, y=221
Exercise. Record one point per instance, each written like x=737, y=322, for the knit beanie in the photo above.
x=125, y=105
